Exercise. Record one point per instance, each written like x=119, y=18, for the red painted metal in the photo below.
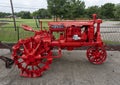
x=34, y=55
x=96, y=55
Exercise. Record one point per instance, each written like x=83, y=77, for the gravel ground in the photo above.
x=72, y=69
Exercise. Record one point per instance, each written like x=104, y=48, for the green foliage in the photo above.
x=66, y=8
x=24, y=14
x=42, y=13
x=117, y=12
x=92, y=10
x=3, y=14
x=107, y=10
x=70, y=9
x=74, y=9
x=56, y=7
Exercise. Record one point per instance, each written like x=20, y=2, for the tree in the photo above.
x=3, y=14
x=92, y=10
x=56, y=7
x=74, y=8
x=107, y=10
x=42, y=13
x=24, y=14
x=66, y=8
x=117, y=11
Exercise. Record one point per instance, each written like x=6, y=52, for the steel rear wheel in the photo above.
x=96, y=55
x=31, y=57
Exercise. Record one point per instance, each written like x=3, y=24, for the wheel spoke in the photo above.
x=96, y=55
x=38, y=66
x=32, y=67
x=26, y=50
x=31, y=45
x=35, y=49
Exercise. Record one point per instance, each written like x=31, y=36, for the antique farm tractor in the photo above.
x=35, y=54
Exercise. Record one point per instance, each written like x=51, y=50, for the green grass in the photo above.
x=8, y=33
x=111, y=42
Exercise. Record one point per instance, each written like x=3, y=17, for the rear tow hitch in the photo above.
x=8, y=62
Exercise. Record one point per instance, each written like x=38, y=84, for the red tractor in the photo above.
x=34, y=55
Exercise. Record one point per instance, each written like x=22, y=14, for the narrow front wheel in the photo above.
x=96, y=55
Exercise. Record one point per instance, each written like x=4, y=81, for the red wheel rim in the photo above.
x=96, y=55
x=31, y=57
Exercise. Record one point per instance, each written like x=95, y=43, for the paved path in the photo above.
x=72, y=69
x=112, y=29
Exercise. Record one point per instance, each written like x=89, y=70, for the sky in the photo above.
x=33, y=5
